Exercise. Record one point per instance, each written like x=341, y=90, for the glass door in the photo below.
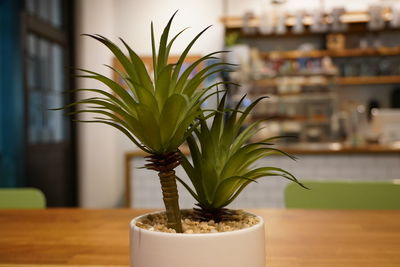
x=50, y=151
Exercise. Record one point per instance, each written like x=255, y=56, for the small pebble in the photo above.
x=158, y=222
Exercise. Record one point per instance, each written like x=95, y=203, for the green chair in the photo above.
x=22, y=198
x=343, y=195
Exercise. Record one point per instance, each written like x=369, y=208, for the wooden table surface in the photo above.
x=295, y=238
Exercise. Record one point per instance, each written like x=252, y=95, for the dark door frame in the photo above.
x=11, y=96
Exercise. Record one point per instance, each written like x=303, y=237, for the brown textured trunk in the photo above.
x=165, y=165
x=170, y=198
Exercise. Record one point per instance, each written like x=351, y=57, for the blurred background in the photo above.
x=330, y=67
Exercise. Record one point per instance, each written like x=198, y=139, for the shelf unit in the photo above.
x=296, y=98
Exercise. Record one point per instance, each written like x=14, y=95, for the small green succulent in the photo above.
x=223, y=160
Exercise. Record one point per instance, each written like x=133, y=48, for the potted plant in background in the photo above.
x=158, y=115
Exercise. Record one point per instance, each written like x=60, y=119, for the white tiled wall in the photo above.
x=268, y=192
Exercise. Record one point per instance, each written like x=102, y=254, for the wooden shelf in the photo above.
x=358, y=52
x=368, y=80
x=267, y=82
x=358, y=80
x=307, y=79
x=336, y=148
x=273, y=83
x=294, y=54
x=314, y=148
x=349, y=17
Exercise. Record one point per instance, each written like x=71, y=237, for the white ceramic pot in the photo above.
x=239, y=248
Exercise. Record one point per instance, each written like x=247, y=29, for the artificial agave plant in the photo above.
x=156, y=114
x=223, y=161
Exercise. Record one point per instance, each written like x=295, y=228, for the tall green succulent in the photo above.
x=155, y=114
x=223, y=160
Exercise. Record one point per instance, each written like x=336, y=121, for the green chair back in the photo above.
x=22, y=198
x=343, y=195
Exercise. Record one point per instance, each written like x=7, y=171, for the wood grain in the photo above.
x=56, y=265
x=294, y=237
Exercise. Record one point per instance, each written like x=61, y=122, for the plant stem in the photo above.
x=165, y=164
x=170, y=198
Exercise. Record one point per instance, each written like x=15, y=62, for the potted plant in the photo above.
x=158, y=115
x=221, y=167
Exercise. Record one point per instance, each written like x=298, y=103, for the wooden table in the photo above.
x=295, y=238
